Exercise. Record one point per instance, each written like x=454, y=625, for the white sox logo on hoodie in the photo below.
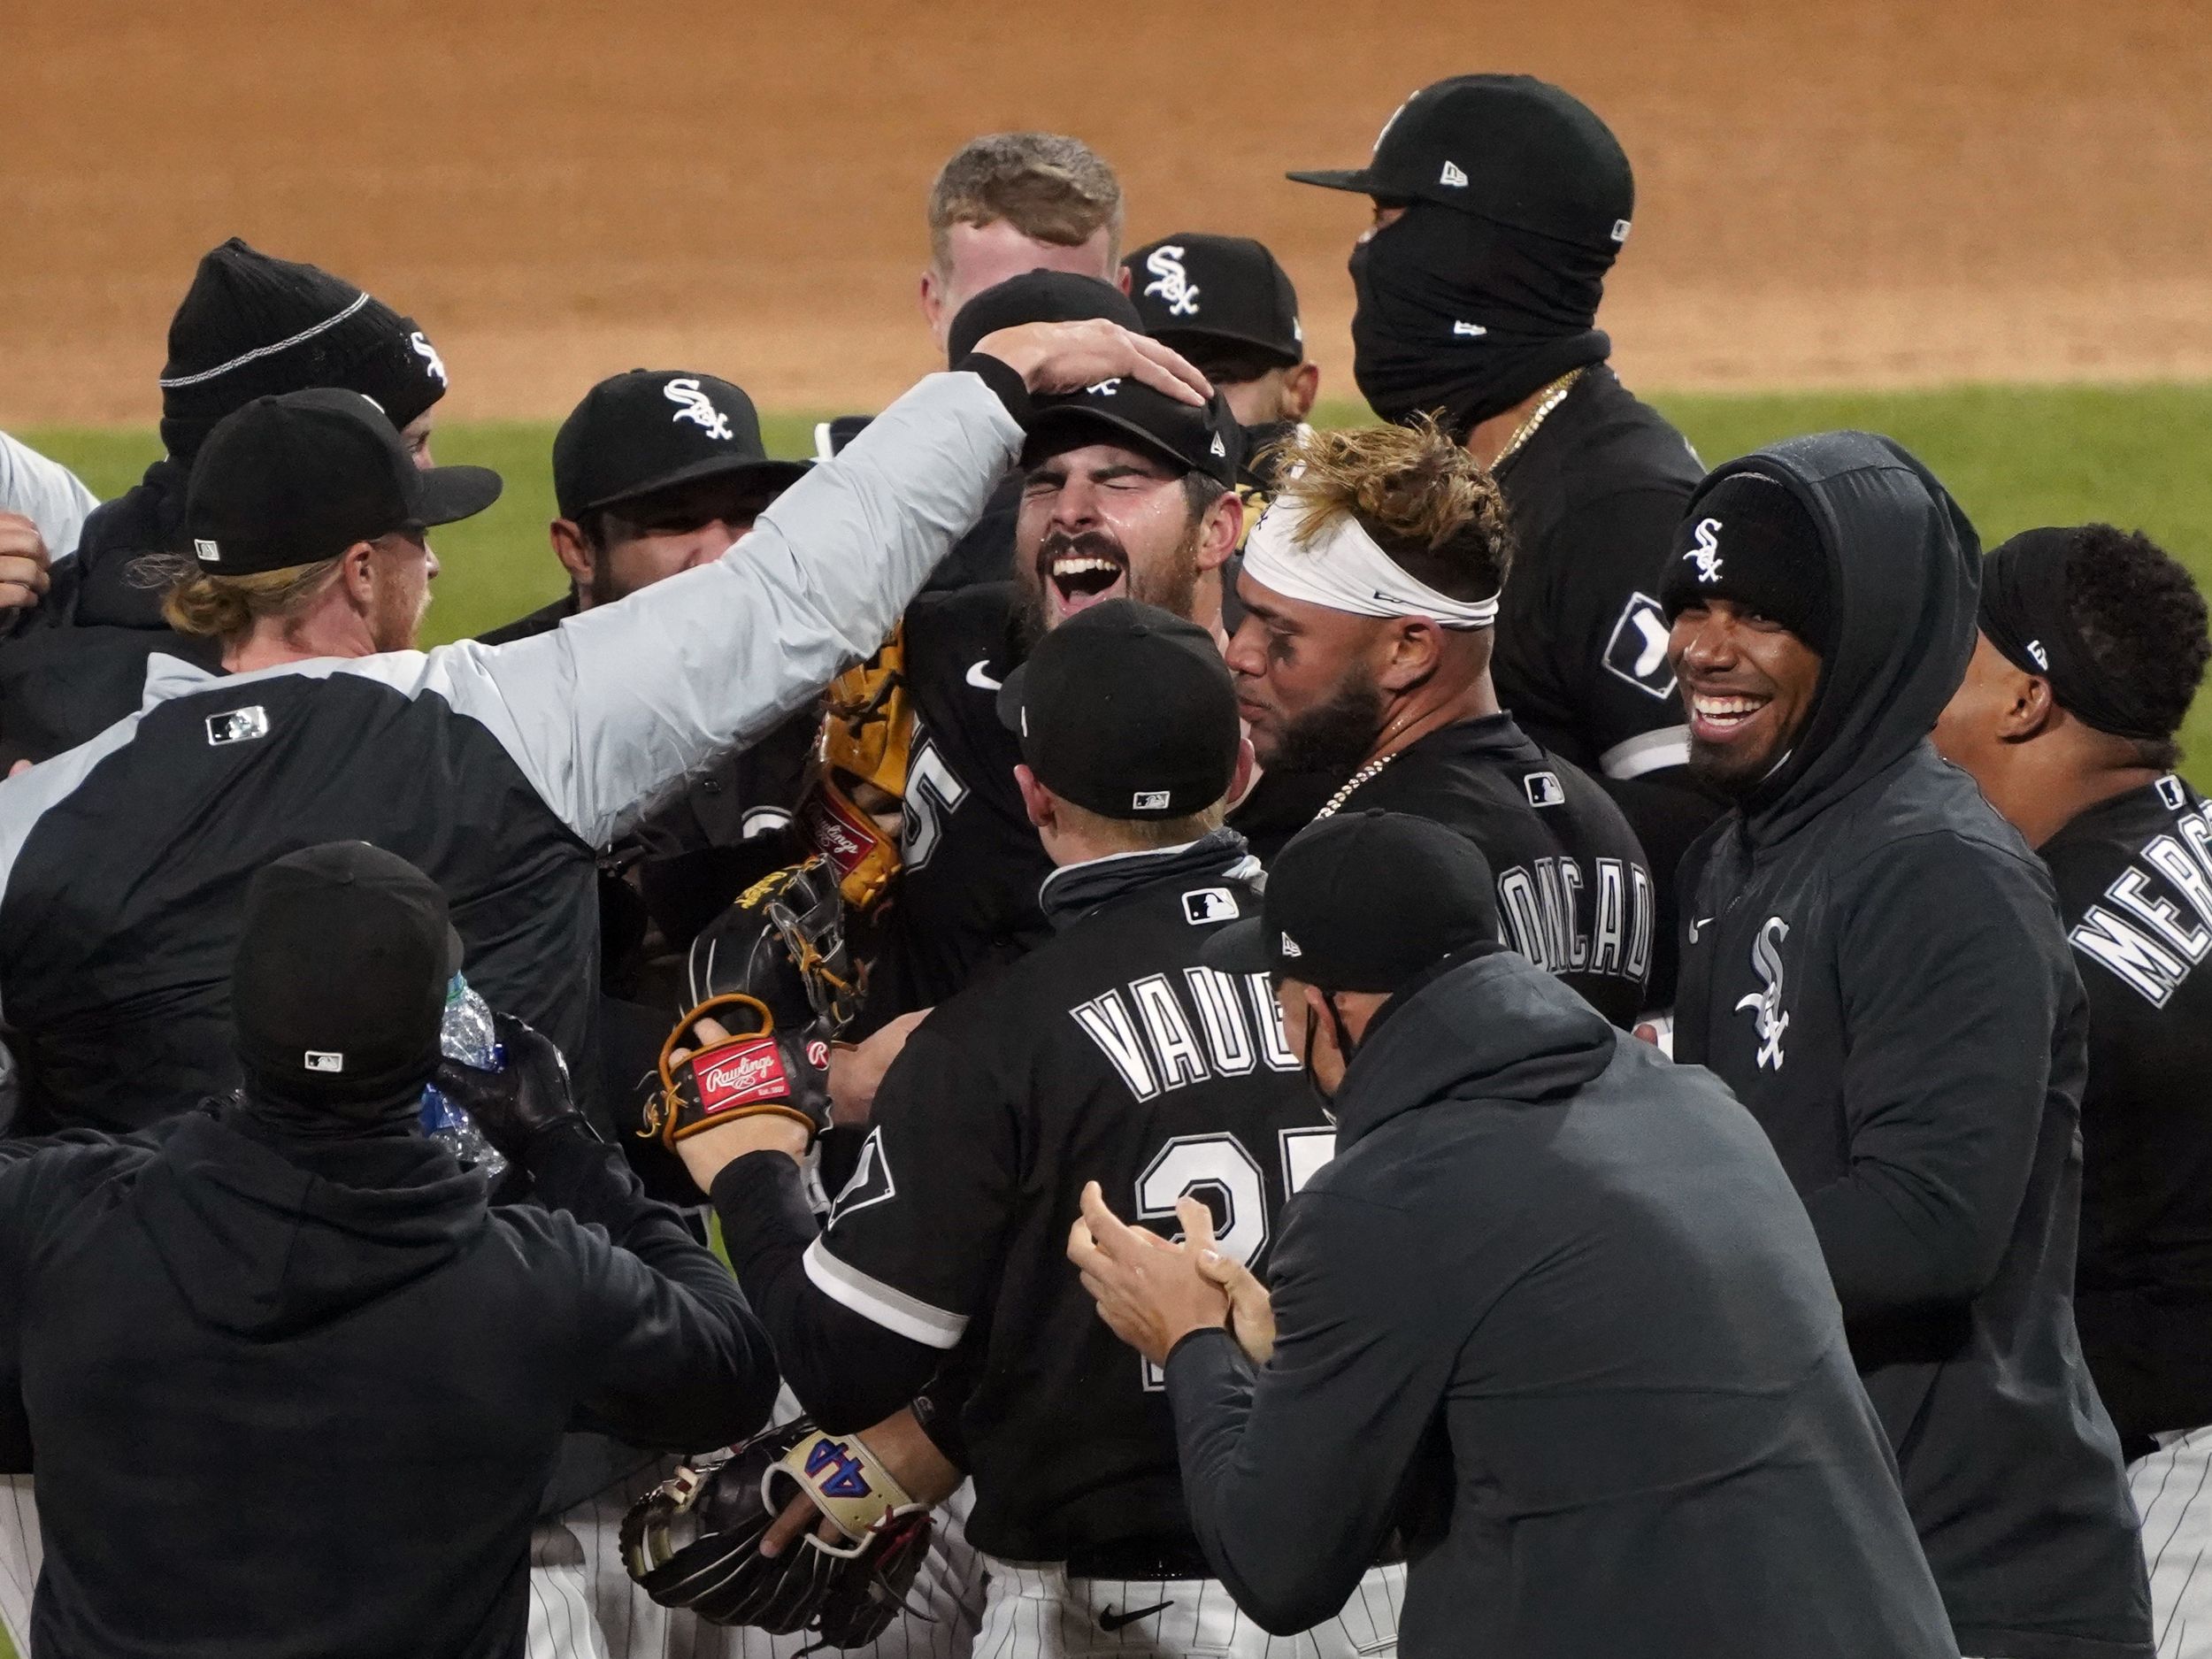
x=1766, y=1006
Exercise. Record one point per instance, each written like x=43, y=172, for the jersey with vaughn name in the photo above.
x=1111, y=1055
x=2134, y=879
x=1574, y=892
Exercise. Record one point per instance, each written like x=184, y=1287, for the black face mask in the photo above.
x=1345, y=1047
x=1466, y=317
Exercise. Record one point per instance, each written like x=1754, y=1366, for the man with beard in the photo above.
x=251, y=325
x=1873, y=962
x=2092, y=644
x=1126, y=494
x=1501, y=201
x=1369, y=591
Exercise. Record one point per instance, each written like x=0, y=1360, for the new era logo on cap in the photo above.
x=323, y=1060
x=1219, y=447
x=1453, y=176
x=1290, y=947
x=206, y=550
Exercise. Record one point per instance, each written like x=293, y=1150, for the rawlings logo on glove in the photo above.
x=760, y=1070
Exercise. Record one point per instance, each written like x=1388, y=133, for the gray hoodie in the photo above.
x=1553, y=1309
x=1872, y=960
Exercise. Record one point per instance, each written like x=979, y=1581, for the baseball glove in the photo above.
x=783, y=941
x=695, y=1541
x=866, y=736
x=756, y=1070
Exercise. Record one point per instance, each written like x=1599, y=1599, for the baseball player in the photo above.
x=249, y=326
x=1228, y=306
x=1500, y=204
x=52, y=498
x=2092, y=645
x=1105, y=1053
x=1372, y=592
x=1125, y=493
x=1872, y=961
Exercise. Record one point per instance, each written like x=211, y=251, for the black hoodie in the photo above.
x=293, y=1399
x=1554, y=1307
x=1872, y=960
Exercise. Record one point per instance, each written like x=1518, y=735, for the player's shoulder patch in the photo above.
x=1637, y=651
x=870, y=1183
x=1203, y=906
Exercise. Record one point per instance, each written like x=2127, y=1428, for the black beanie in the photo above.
x=1748, y=540
x=251, y=326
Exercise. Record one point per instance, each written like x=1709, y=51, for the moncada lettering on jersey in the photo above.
x=1541, y=903
x=1149, y=1034
x=2138, y=932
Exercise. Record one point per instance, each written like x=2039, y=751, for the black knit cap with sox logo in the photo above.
x=252, y=325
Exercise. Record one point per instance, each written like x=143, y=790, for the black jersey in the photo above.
x=1581, y=658
x=966, y=899
x=1573, y=888
x=965, y=903
x=2134, y=879
x=1111, y=1055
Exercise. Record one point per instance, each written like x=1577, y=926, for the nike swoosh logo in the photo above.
x=1110, y=1621
x=980, y=681
x=1698, y=926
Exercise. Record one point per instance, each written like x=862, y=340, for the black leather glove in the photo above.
x=515, y=1105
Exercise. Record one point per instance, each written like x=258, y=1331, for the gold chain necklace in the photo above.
x=1553, y=396
x=1337, y=801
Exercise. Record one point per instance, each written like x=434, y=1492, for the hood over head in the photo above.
x=267, y=1243
x=1487, y=1026
x=1903, y=579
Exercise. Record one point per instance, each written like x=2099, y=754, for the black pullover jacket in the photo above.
x=301, y=1400
x=1872, y=960
x=1553, y=1309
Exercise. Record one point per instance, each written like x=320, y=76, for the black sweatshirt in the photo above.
x=2134, y=876
x=290, y=1399
x=1873, y=961
x=1556, y=1311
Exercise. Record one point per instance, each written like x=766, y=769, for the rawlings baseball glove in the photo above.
x=695, y=1541
x=865, y=739
x=772, y=970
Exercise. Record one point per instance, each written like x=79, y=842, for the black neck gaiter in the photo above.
x=298, y=1116
x=1463, y=317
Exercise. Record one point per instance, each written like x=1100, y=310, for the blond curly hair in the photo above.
x=1427, y=503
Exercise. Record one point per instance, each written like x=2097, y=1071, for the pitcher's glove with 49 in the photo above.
x=695, y=1541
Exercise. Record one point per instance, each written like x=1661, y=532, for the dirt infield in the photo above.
x=1878, y=193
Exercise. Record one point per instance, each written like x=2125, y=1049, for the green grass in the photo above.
x=2014, y=457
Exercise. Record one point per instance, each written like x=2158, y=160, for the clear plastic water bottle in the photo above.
x=465, y=1034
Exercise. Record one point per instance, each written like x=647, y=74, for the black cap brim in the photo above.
x=1239, y=948
x=779, y=474
x=1049, y=425
x=1360, y=180
x=1275, y=350
x=451, y=493
x=1009, y=699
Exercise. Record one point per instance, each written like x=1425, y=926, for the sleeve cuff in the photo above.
x=1001, y=378
x=1200, y=1335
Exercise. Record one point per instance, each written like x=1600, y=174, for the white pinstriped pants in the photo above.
x=1036, y=1611
x=2173, y=1495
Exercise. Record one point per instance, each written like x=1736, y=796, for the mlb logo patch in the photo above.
x=207, y=551
x=741, y=1074
x=2171, y=794
x=323, y=1060
x=1205, y=905
x=1150, y=801
x=240, y=725
x=1543, y=788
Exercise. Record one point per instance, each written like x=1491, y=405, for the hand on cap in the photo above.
x=514, y=1105
x=24, y=562
x=1068, y=357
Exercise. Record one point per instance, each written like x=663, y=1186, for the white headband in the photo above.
x=1341, y=567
